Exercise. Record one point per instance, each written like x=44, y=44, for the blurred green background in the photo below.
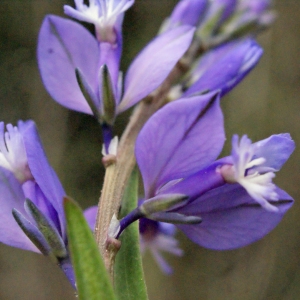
x=266, y=102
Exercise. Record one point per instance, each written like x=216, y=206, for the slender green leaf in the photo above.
x=92, y=279
x=129, y=275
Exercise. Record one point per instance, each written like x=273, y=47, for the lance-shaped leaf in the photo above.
x=152, y=66
x=92, y=280
x=129, y=276
x=48, y=230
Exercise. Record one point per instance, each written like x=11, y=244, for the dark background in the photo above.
x=266, y=102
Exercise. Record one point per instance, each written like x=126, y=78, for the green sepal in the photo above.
x=88, y=94
x=32, y=233
x=92, y=280
x=108, y=100
x=206, y=30
x=175, y=218
x=47, y=229
x=161, y=203
x=129, y=275
x=234, y=32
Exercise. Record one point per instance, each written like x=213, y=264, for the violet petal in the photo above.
x=152, y=66
x=90, y=215
x=181, y=138
x=12, y=197
x=41, y=170
x=224, y=67
x=64, y=45
x=231, y=218
x=276, y=150
x=198, y=183
x=188, y=12
x=110, y=56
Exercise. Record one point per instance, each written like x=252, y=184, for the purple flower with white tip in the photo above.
x=83, y=75
x=253, y=168
x=12, y=152
x=106, y=15
x=223, y=68
x=32, y=215
x=176, y=152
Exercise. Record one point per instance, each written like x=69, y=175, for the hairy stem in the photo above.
x=118, y=173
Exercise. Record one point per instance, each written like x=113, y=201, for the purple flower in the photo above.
x=223, y=68
x=13, y=154
x=234, y=196
x=107, y=17
x=252, y=16
x=32, y=215
x=256, y=6
x=186, y=12
x=83, y=75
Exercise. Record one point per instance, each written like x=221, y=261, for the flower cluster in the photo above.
x=88, y=79
x=219, y=203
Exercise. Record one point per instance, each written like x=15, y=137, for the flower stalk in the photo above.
x=117, y=174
